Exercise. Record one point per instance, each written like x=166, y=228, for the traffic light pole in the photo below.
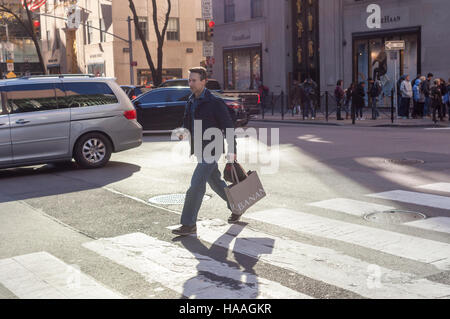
x=130, y=48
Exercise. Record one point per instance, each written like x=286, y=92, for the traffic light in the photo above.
x=209, y=30
x=37, y=28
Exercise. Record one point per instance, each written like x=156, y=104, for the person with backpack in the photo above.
x=339, y=96
x=374, y=91
x=418, y=97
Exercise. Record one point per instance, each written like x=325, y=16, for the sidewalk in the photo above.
x=368, y=122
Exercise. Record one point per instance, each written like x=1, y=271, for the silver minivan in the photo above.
x=54, y=119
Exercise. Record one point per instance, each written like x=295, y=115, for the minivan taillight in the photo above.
x=131, y=114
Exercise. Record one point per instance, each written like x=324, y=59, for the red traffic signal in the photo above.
x=211, y=24
x=36, y=24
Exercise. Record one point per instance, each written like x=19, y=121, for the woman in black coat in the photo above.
x=358, y=99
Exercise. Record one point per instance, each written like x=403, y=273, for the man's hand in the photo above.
x=231, y=158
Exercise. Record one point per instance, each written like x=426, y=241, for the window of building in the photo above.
x=89, y=94
x=242, y=68
x=102, y=30
x=173, y=29
x=89, y=32
x=31, y=98
x=257, y=8
x=229, y=11
x=201, y=30
x=143, y=25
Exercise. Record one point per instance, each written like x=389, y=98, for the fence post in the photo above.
x=263, y=98
x=282, y=105
x=392, y=106
x=326, y=105
x=353, y=113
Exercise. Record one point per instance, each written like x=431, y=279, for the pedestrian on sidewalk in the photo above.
x=296, y=97
x=339, y=96
x=204, y=111
x=399, y=93
x=426, y=89
x=419, y=98
x=444, y=97
x=358, y=100
x=348, y=99
x=448, y=98
x=310, y=91
x=407, y=94
x=374, y=90
x=436, y=100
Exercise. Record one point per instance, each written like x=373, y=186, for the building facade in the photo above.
x=107, y=53
x=282, y=41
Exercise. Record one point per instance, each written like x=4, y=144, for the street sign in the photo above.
x=395, y=45
x=208, y=49
x=207, y=12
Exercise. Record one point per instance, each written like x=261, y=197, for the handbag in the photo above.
x=243, y=194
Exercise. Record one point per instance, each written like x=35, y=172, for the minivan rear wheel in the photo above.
x=92, y=150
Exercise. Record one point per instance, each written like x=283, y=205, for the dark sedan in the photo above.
x=162, y=109
x=134, y=91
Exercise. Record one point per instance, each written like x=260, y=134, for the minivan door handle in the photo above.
x=22, y=122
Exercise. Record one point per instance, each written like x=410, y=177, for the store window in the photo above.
x=97, y=69
x=371, y=60
x=242, y=68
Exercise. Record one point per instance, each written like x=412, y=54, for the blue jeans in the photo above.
x=203, y=173
x=309, y=106
x=375, y=113
x=427, y=106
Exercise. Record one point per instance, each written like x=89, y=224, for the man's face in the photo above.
x=195, y=83
x=407, y=78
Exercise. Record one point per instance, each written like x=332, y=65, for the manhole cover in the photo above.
x=394, y=217
x=405, y=161
x=172, y=199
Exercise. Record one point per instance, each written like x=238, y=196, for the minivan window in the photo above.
x=31, y=98
x=61, y=98
x=80, y=94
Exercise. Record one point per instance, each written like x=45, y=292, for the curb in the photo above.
x=336, y=124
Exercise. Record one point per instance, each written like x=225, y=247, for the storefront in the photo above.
x=96, y=68
x=371, y=60
x=144, y=76
x=242, y=68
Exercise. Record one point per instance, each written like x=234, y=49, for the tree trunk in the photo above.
x=143, y=40
x=35, y=40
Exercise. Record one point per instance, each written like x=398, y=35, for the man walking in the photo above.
x=426, y=89
x=407, y=94
x=205, y=112
x=374, y=92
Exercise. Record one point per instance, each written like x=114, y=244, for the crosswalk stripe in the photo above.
x=439, y=224
x=421, y=199
x=440, y=187
x=351, y=207
x=43, y=276
x=414, y=248
x=187, y=272
x=318, y=263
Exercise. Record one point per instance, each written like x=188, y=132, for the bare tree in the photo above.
x=27, y=24
x=160, y=36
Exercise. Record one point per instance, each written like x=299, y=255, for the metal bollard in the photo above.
x=282, y=105
x=326, y=105
x=273, y=105
x=392, y=105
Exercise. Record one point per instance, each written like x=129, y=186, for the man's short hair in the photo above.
x=200, y=70
x=430, y=75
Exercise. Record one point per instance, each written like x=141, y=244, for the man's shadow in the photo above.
x=219, y=277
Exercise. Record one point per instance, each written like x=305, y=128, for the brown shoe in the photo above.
x=185, y=230
x=234, y=218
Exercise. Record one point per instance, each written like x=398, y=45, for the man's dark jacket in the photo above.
x=213, y=113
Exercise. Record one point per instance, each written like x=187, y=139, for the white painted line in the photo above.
x=440, y=187
x=350, y=206
x=414, y=248
x=43, y=276
x=187, y=272
x=319, y=263
x=421, y=199
x=439, y=224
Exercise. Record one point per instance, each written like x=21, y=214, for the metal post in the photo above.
x=353, y=114
x=392, y=105
x=130, y=48
x=326, y=105
x=273, y=104
x=282, y=105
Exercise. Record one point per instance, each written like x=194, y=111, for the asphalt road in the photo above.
x=62, y=211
